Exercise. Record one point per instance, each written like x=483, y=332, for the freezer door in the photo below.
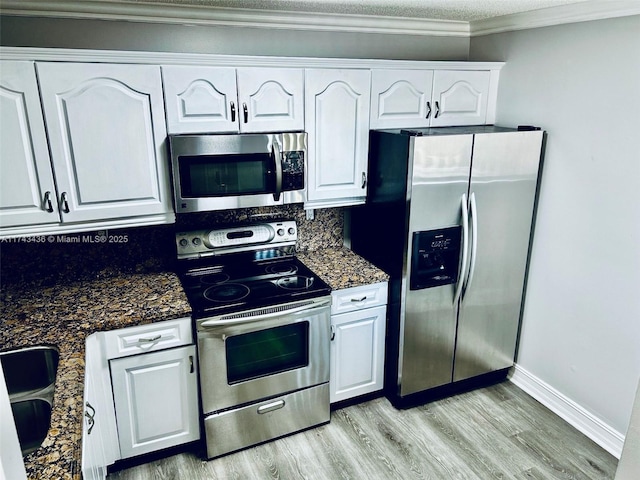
x=440, y=178
x=502, y=193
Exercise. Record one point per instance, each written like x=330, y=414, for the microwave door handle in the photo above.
x=277, y=160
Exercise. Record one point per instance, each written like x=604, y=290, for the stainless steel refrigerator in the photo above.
x=449, y=216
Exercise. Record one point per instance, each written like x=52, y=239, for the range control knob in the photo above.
x=292, y=230
x=184, y=242
x=281, y=231
x=196, y=241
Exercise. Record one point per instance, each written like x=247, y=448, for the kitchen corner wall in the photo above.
x=77, y=257
x=581, y=326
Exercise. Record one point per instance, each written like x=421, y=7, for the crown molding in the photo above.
x=242, y=17
x=546, y=17
x=238, y=17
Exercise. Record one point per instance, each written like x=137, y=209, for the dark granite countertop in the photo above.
x=341, y=268
x=63, y=316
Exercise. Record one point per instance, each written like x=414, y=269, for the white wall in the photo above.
x=118, y=35
x=581, y=324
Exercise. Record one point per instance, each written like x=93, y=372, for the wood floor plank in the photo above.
x=497, y=432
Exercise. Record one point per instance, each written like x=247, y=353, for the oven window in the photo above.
x=266, y=352
x=225, y=175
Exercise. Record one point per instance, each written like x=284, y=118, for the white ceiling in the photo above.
x=459, y=10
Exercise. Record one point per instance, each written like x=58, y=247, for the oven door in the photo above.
x=248, y=356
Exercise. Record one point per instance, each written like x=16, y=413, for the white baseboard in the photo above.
x=587, y=423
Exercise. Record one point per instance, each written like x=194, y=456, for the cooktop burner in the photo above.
x=214, y=278
x=295, y=282
x=227, y=292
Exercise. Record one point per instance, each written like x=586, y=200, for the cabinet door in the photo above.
x=156, y=400
x=401, y=98
x=107, y=131
x=94, y=463
x=460, y=97
x=200, y=99
x=271, y=99
x=337, y=121
x=27, y=191
x=357, y=353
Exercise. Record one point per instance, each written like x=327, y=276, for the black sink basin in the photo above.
x=32, y=418
x=30, y=375
x=29, y=369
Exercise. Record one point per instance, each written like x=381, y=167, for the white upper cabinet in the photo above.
x=107, y=137
x=27, y=191
x=200, y=99
x=401, y=98
x=427, y=98
x=337, y=121
x=220, y=99
x=460, y=97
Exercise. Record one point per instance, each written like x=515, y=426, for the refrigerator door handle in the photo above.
x=474, y=238
x=465, y=247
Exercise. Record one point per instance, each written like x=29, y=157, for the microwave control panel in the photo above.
x=292, y=170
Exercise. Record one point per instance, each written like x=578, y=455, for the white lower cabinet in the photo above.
x=99, y=440
x=357, y=341
x=156, y=400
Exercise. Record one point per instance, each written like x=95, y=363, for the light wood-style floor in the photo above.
x=498, y=432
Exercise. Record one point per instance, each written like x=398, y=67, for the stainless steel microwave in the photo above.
x=219, y=172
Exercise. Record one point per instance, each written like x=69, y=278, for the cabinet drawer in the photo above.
x=356, y=298
x=147, y=338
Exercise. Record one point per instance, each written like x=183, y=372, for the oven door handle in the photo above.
x=222, y=322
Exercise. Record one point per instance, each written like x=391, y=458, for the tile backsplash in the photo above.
x=53, y=259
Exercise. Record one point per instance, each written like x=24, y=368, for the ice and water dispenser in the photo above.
x=435, y=257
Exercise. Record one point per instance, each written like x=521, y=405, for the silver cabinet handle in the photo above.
x=48, y=206
x=359, y=299
x=191, y=369
x=245, y=112
x=465, y=246
x=437, y=109
x=364, y=179
x=149, y=340
x=233, y=111
x=428, y=109
x=64, y=202
x=91, y=417
x=270, y=407
x=333, y=332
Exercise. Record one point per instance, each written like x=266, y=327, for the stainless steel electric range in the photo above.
x=262, y=322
